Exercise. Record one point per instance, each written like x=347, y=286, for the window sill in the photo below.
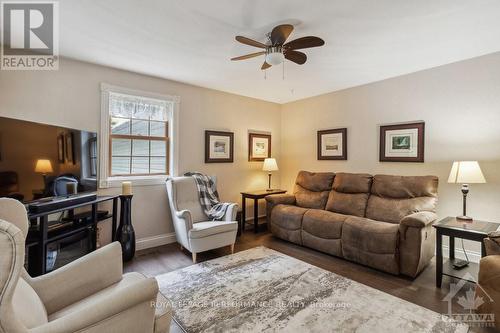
x=113, y=182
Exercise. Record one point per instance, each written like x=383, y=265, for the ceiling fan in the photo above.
x=277, y=50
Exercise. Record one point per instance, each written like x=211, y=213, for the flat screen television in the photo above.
x=40, y=161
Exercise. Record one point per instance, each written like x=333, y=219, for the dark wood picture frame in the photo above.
x=252, y=136
x=69, y=147
x=343, y=132
x=230, y=135
x=420, y=126
x=60, y=148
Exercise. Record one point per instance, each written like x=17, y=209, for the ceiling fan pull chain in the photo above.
x=283, y=71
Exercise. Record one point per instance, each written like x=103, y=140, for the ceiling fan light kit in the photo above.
x=278, y=50
x=274, y=55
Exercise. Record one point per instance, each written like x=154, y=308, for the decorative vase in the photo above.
x=125, y=233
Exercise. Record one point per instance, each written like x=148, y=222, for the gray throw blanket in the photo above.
x=209, y=197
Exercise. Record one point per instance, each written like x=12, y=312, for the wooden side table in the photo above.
x=255, y=195
x=451, y=227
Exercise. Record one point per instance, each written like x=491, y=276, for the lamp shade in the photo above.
x=43, y=166
x=466, y=172
x=270, y=165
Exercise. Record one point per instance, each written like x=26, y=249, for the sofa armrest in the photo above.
x=94, y=314
x=419, y=220
x=277, y=199
x=489, y=271
x=231, y=211
x=80, y=278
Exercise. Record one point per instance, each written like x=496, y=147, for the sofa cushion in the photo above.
x=352, y=182
x=288, y=217
x=323, y=224
x=315, y=181
x=404, y=187
x=209, y=228
x=349, y=194
x=394, y=197
x=311, y=189
x=369, y=235
x=371, y=243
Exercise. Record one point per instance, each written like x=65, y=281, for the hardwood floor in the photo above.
x=421, y=291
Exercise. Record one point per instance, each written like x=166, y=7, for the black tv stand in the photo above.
x=39, y=235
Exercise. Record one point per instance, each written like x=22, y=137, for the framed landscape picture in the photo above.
x=402, y=143
x=332, y=144
x=259, y=147
x=219, y=147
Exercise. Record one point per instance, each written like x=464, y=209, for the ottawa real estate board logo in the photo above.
x=30, y=35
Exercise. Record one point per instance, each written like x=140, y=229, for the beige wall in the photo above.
x=460, y=104
x=70, y=97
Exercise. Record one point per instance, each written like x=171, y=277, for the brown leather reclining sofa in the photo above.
x=381, y=221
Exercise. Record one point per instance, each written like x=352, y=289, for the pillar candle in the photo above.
x=126, y=188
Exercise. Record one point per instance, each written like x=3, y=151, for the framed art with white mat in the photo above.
x=402, y=142
x=219, y=147
x=332, y=144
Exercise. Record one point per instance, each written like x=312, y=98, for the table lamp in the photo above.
x=465, y=173
x=269, y=166
x=44, y=167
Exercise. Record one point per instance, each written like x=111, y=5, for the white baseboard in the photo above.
x=459, y=253
x=154, y=241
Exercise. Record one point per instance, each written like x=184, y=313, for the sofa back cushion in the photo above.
x=349, y=194
x=312, y=189
x=394, y=197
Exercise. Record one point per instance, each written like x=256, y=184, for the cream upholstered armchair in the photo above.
x=88, y=295
x=193, y=229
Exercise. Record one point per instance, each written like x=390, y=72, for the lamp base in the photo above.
x=465, y=218
x=270, y=189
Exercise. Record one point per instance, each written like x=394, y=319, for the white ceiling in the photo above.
x=192, y=41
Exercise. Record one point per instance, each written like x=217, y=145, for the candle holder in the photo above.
x=125, y=233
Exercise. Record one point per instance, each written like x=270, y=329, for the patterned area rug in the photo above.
x=261, y=290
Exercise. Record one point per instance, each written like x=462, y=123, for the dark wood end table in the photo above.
x=256, y=196
x=451, y=227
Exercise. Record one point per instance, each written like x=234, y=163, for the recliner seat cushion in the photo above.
x=288, y=217
x=323, y=224
x=349, y=194
x=209, y=228
x=312, y=189
x=372, y=243
x=322, y=230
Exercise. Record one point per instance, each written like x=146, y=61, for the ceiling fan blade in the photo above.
x=281, y=33
x=248, y=56
x=304, y=42
x=265, y=65
x=296, y=56
x=250, y=42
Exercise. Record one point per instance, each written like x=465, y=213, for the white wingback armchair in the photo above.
x=193, y=229
x=90, y=294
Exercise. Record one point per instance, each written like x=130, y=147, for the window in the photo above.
x=138, y=136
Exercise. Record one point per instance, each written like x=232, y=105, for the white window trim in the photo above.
x=108, y=181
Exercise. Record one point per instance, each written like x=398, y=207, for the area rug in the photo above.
x=261, y=290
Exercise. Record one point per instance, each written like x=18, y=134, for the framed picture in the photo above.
x=70, y=152
x=259, y=147
x=332, y=144
x=219, y=147
x=402, y=143
x=60, y=148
